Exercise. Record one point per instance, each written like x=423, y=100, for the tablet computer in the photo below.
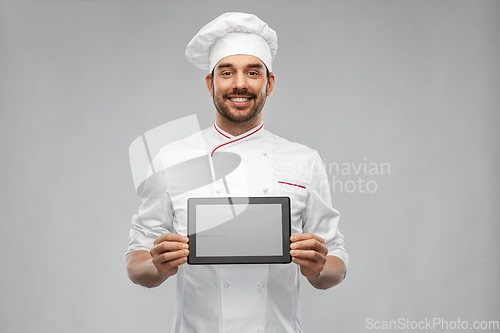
x=239, y=230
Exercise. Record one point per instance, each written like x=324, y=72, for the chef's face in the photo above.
x=239, y=86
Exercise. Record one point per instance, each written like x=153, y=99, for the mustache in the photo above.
x=239, y=92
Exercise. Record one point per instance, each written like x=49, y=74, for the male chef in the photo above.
x=237, y=51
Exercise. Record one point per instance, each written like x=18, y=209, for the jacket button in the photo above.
x=265, y=189
x=226, y=285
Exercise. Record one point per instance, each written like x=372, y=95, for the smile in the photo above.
x=239, y=99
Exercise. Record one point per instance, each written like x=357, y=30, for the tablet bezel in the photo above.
x=219, y=260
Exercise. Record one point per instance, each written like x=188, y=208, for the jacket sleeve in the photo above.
x=153, y=219
x=319, y=217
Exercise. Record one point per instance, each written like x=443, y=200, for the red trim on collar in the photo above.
x=291, y=184
x=224, y=135
x=211, y=155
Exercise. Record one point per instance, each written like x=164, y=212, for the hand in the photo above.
x=169, y=252
x=309, y=252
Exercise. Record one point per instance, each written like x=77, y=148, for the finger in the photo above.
x=306, y=244
x=309, y=244
x=306, y=263
x=300, y=237
x=171, y=237
x=170, y=256
x=308, y=268
x=167, y=246
x=168, y=266
x=309, y=255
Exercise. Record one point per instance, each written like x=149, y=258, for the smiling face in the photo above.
x=239, y=87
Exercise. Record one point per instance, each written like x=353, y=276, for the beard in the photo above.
x=236, y=114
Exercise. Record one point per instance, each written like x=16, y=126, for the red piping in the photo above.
x=211, y=155
x=291, y=184
x=221, y=132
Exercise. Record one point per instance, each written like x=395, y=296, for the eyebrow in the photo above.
x=229, y=65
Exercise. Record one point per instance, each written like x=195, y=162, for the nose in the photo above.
x=239, y=81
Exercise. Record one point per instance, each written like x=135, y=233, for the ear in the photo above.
x=210, y=84
x=270, y=83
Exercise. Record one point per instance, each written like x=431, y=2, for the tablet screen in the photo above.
x=239, y=230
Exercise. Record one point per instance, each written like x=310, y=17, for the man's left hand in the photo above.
x=309, y=252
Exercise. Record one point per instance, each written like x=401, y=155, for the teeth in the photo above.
x=239, y=100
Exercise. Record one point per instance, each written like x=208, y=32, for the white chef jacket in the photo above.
x=242, y=298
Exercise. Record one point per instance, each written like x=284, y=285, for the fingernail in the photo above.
x=185, y=238
x=293, y=253
x=185, y=246
x=293, y=238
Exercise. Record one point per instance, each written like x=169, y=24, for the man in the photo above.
x=237, y=50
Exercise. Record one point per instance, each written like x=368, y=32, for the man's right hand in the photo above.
x=169, y=252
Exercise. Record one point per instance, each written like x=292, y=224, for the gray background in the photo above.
x=411, y=83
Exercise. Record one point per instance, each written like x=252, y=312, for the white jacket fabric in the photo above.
x=242, y=298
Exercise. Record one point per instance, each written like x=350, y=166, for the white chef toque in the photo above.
x=230, y=34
